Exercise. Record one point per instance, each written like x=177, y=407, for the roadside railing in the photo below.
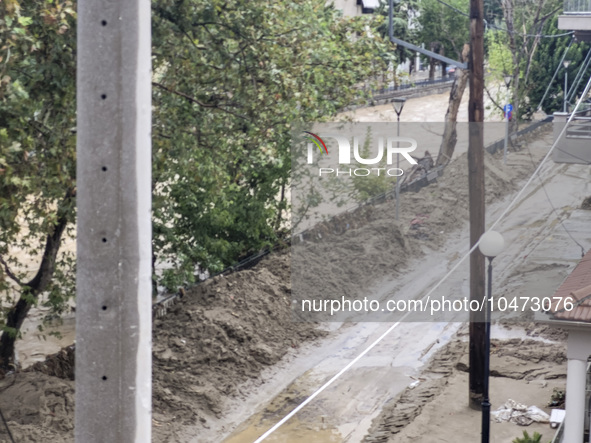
x=577, y=6
x=559, y=433
x=412, y=85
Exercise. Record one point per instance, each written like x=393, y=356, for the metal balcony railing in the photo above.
x=577, y=6
x=559, y=433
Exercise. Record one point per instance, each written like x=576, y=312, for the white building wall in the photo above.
x=349, y=7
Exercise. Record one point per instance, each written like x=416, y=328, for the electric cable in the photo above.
x=580, y=74
x=6, y=426
x=560, y=220
x=499, y=28
x=555, y=73
x=492, y=25
x=582, y=160
x=1, y=414
x=562, y=133
x=444, y=278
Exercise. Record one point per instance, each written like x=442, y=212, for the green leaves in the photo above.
x=25, y=21
x=234, y=78
x=230, y=80
x=37, y=146
x=444, y=26
x=545, y=62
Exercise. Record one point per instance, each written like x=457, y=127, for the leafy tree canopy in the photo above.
x=230, y=79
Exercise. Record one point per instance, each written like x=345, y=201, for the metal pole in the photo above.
x=486, y=401
x=415, y=48
x=507, y=83
x=476, y=197
x=113, y=312
x=398, y=167
x=565, y=86
x=506, y=138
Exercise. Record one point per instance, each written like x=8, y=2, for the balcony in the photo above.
x=577, y=7
x=575, y=145
x=577, y=17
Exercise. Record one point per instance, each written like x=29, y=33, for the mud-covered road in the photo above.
x=538, y=255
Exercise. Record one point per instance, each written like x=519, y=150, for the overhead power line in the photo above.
x=434, y=288
x=555, y=72
x=580, y=74
x=492, y=25
x=6, y=426
x=558, y=217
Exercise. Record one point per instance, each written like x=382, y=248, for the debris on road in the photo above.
x=520, y=414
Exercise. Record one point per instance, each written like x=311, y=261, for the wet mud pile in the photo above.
x=223, y=332
x=532, y=362
x=355, y=251
x=37, y=407
x=399, y=412
x=226, y=330
x=220, y=334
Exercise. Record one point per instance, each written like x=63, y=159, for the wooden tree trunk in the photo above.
x=31, y=290
x=443, y=64
x=432, y=64
x=450, y=135
x=476, y=201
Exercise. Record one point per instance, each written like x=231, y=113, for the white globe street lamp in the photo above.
x=398, y=104
x=491, y=244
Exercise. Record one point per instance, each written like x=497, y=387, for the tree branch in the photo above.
x=197, y=102
x=9, y=272
x=492, y=99
x=52, y=245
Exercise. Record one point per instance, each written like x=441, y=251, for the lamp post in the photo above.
x=491, y=244
x=398, y=104
x=507, y=79
x=565, y=63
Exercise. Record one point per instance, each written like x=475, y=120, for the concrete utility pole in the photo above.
x=476, y=199
x=114, y=291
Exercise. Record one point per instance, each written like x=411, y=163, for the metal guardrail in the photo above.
x=580, y=127
x=416, y=84
x=500, y=144
x=159, y=308
x=559, y=433
x=577, y=6
x=421, y=182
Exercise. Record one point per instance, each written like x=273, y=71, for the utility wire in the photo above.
x=582, y=160
x=555, y=73
x=492, y=25
x=562, y=133
x=560, y=220
x=433, y=289
x=454, y=8
x=2, y=415
x=7, y=428
x=580, y=74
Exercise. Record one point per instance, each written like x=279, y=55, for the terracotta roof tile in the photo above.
x=576, y=289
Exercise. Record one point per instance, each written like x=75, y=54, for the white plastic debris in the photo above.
x=557, y=417
x=520, y=414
